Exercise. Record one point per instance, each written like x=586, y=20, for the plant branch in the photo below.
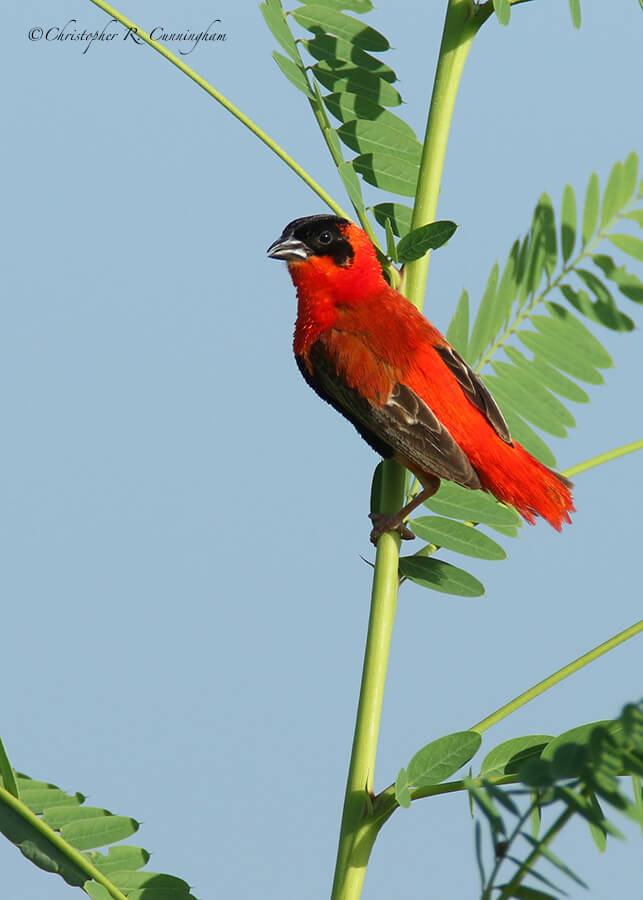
x=231, y=108
x=75, y=856
x=603, y=458
x=558, y=676
x=460, y=27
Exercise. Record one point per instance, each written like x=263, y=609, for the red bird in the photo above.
x=366, y=350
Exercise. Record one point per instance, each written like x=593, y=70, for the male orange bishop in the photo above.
x=366, y=350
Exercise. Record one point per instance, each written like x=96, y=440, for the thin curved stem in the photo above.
x=557, y=677
x=603, y=458
x=231, y=108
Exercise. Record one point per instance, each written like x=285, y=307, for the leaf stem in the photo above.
x=76, y=857
x=557, y=677
x=231, y=108
x=603, y=458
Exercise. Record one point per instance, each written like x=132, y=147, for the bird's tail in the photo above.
x=517, y=478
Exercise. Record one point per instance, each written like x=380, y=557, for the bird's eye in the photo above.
x=325, y=238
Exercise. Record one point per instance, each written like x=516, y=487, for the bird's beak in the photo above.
x=288, y=248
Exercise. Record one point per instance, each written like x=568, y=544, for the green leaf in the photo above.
x=597, y=831
x=527, y=383
x=503, y=11
x=521, y=892
x=590, y=213
x=119, y=859
x=329, y=48
x=294, y=73
x=568, y=222
x=574, y=8
x=402, y=792
x=636, y=215
x=7, y=775
x=347, y=107
x=457, y=537
x=364, y=136
x=577, y=333
x=357, y=81
x=630, y=175
x=629, y=244
x=553, y=859
x=628, y=284
x=579, y=735
x=612, y=194
x=526, y=436
x=507, y=757
x=482, y=330
x=389, y=173
x=58, y=816
x=458, y=331
x=557, y=353
x=440, y=576
x=604, y=312
x=531, y=406
x=358, y=6
x=154, y=881
x=38, y=795
x=315, y=17
x=443, y=757
x=485, y=805
x=545, y=211
x=398, y=215
x=471, y=506
x=352, y=185
x=423, y=239
x=275, y=19
x=604, y=308
x=547, y=375
x=88, y=833
x=391, y=249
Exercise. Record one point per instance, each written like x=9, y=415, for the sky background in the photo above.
x=184, y=603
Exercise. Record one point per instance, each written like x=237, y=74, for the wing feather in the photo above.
x=403, y=426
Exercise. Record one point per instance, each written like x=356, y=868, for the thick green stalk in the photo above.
x=357, y=835
x=231, y=108
x=558, y=676
x=356, y=839
x=460, y=27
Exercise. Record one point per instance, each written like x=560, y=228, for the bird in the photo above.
x=368, y=352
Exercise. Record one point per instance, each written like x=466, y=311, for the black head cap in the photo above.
x=321, y=235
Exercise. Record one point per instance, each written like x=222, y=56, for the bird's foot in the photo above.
x=382, y=524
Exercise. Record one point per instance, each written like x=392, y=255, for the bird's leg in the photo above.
x=383, y=523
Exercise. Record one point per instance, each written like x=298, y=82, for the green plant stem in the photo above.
x=358, y=829
x=231, y=108
x=75, y=856
x=460, y=27
x=558, y=676
x=603, y=458
x=357, y=836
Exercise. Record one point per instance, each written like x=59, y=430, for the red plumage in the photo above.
x=369, y=352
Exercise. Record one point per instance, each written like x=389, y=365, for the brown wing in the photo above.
x=404, y=426
x=475, y=391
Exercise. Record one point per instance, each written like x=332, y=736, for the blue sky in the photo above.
x=184, y=599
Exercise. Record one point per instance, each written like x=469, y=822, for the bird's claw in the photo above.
x=382, y=524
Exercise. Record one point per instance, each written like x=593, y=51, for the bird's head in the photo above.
x=328, y=253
